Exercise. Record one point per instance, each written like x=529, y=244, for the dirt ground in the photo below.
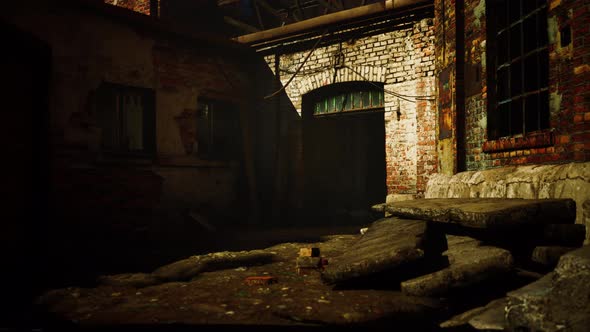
x=222, y=299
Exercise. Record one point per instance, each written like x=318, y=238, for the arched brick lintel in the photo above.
x=370, y=73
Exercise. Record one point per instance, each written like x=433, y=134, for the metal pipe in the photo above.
x=319, y=21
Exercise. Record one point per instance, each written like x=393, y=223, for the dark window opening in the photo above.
x=218, y=130
x=519, y=70
x=348, y=97
x=127, y=119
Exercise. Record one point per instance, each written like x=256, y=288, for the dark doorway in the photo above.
x=344, y=152
x=26, y=69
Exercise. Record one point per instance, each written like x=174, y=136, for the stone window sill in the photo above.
x=538, y=139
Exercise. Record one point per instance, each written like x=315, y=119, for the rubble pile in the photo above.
x=489, y=239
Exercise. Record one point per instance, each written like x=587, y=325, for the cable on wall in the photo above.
x=300, y=66
x=393, y=93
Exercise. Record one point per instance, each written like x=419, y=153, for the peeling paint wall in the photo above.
x=91, y=48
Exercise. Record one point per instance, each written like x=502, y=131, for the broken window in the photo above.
x=218, y=130
x=518, y=73
x=347, y=97
x=126, y=117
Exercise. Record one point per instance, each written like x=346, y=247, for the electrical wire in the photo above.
x=393, y=93
x=300, y=66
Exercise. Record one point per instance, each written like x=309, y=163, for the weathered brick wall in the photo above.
x=403, y=61
x=568, y=138
x=140, y=6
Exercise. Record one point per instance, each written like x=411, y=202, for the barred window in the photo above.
x=519, y=67
x=346, y=97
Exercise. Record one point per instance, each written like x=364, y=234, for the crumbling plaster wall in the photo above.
x=571, y=180
x=403, y=61
x=90, y=48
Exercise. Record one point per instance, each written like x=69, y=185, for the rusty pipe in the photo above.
x=320, y=21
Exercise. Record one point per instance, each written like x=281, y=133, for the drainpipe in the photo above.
x=324, y=20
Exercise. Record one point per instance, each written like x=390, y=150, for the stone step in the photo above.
x=487, y=213
x=469, y=264
x=388, y=243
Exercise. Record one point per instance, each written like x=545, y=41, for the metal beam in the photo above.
x=258, y=15
x=327, y=5
x=320, y=21
x=269, y=9
x=299, y=10
x=240, y=25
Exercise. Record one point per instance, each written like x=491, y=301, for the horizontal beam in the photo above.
x=325, y=20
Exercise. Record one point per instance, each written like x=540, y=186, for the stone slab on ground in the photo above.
x=549, y=255
x=488, y=317
x=192, y=266
x=388, y=243
x=138, y=280
x=469, y=264
x=488, y=213
x=560, y=301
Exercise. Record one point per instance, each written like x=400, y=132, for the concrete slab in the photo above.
x=490, y=213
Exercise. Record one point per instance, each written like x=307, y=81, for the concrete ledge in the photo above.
x=570, y=180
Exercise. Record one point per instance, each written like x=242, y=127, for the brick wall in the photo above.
x=140, y=6
x=403, y=60
x=568, y=138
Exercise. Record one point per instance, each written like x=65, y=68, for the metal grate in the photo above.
x=521, y=67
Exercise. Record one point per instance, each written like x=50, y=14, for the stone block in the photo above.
x=488, y=213
x=388, y=244
x=469, y=264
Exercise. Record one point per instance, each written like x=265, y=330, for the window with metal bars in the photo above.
x=218, y=130
x=518, y=68
x=127, y=119
x=348, y=97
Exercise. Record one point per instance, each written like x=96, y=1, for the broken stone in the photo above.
x=492, y=317
x=549, y=255
x=461, y=321
x=137, y=280
x=560, y=301
x=192, y=266
x=567, y=235
x=389, y=243
x=488, y=213
x=469, y=264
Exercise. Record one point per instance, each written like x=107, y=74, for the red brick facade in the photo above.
x=140, y=6
x=568, y=136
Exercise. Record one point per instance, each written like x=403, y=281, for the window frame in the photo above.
x=110, y=90
x=346, y=92
x=210, y=135
x=504, y=119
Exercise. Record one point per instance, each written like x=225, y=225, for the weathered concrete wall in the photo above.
x=570, y=180
x=403, y=61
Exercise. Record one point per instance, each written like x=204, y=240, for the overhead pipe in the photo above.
x=320, y=21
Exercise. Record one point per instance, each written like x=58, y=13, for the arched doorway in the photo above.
x=344, y=151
